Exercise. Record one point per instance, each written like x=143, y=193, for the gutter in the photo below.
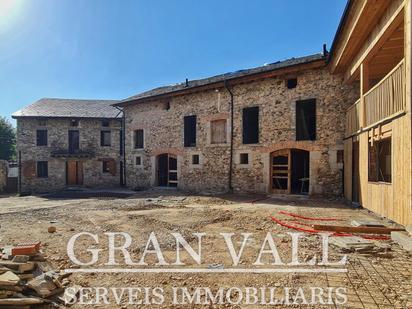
x=123, y=144
x=231, y=136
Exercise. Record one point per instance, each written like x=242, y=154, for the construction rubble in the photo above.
x=26, y=278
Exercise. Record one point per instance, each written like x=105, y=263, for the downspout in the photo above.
x=19, y=184
x=123, y=144
x=231, y=137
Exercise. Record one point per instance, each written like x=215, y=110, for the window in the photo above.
x=138, y=161
x=41, y=138
x=42, y=169
x=218, y=131
x=42, y=122
x=74, y=141
x=105, y=123
x=291, y=83
x=380, y=160
x=244, y=158
x=306, y=120
x=138, y=139
x=251, y=125
x=167, y=106
x=106, y=166
x=105, y=138
x=195, y=159
x=339, y=156
x=190, y=131
x=74, y=123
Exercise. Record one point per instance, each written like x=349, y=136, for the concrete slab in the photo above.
x=371, y=223
x=403, y=239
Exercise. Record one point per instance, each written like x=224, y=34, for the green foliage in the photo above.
x=7, y=140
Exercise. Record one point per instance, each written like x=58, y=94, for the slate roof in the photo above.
x=223, y=77
x=51, y=107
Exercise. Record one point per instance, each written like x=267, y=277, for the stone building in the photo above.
x=286, y=137
x=63, y=143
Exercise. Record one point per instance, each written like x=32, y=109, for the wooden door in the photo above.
x=74, y=173
x=281, y=171
x=71, y=173
x=172, y=171
x=162, y=170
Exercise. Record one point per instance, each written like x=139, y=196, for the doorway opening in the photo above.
x=290, y=171
x=355, y=172
x=167, y=170
x=74, y=173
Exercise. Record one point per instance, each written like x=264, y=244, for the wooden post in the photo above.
x=364, y=87
x=407, y=213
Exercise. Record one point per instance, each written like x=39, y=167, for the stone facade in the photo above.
x=57, y=132
x=162, y=122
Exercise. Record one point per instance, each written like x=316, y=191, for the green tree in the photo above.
x=7, y=140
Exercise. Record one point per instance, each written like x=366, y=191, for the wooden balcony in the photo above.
x=353, y=119
x=383, y=101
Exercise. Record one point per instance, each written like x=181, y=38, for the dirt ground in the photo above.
x=373, y=280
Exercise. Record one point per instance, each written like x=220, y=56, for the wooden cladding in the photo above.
x=387, y=97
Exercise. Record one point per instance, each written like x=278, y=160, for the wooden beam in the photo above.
x=356, y=229
x=383, y=35
x=363, y=17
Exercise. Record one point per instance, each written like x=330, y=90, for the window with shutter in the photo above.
x=306, y=120
x=251, y=125
x=42, y=169
x=190, y=131
x=218, y=131
x=139, y=139
x=105, y=138
x=41, y=137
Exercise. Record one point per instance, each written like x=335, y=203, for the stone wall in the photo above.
x=3, y=175
x=163, y=133
x=89, y=131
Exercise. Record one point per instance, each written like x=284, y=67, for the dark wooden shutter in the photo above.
x=190, y=131
x=251, y=125
x=306, y=120
x=138, y=139
x=41, y=137
x=29, y=169
x=218, y=131
x=112, y=167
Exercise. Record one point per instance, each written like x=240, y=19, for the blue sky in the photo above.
x=107, y=49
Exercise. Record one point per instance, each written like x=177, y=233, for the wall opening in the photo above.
x=290, y=171
x=167, y=170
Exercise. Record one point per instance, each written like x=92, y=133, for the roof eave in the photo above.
x=340, y=27
x=219, y=84
x=60, y=117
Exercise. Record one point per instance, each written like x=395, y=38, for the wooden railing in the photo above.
x=352, y=118
x=387, y=97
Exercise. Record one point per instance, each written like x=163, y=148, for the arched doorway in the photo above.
x=290, y=171
x=166, y=170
